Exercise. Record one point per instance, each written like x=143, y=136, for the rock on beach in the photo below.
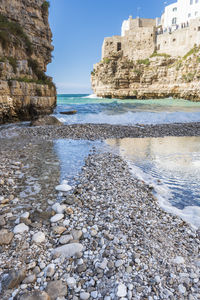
x=68, y=250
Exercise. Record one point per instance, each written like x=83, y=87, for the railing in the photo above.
x=172, y=28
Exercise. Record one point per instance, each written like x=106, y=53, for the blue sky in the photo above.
x=79, y=27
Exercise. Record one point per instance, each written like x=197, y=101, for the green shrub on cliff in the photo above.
x=144, y=62
x=12, y=32
x=137, y=72
x=194, y=50
x=188, y=77
x=106, y=60
x=160, y=54
x=45, y=7
x=33, y=64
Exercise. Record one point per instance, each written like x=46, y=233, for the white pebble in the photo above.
x=121, y=290
x=56, y=218
x=71, y=282
x=181, y=289
x=21, y=228
x=38, y=237
x=84, y=296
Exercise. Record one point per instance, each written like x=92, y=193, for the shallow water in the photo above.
x=172, y=166
x=126, y=112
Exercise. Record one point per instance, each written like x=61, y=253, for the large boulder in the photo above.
x=46, y=120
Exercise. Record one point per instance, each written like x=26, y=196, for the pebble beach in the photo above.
x=104, y=237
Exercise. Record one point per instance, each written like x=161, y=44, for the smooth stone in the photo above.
x=5, y=237
x=181, y=289
x=46, y=120
x=70, y=199
x=58, y=229
x=103, y=264
x=50, y=270
x=59, y=209
x=179, y=260
x=71, y=282
x=21, y=228
x=65, y=239
x=41, y=215
x=13, y=279
x=38, y=295
x=94, y=294
x=121, y=290
x=77, y=234
x=2, y=221
x=30, y=279
x=119, y=263
x=68, y=250
x=64, y=187
x=38, y=237
x=70, y=112
x=84, y=296
x=56, y=289
x=25, y=215
x=56, y=218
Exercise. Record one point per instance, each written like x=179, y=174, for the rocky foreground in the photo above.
x=106, y=239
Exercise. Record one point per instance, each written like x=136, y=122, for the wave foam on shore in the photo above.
x=190, y=214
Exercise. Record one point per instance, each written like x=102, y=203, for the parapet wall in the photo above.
x=136, y=44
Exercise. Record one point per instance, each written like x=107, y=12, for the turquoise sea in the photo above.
x=124, y=112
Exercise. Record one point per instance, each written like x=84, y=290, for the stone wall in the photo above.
x=142, y=40
x=180, y=41
x=25, y=51
x=137, y=43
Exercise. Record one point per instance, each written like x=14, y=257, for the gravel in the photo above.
x=122, y=245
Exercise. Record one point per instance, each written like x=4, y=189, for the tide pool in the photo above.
x=126, y=112
x=172, y=166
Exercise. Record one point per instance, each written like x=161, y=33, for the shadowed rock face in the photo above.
x=25, y=51
x=155, y=77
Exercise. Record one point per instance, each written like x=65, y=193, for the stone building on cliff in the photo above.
x=175, y=33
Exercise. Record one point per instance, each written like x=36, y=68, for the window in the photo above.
x=174, y=20
x=196, y=13
x=189, y=15
x=199, y=28
x=191, y=2
x=175, y=9
x=119, y=46
x=174, y=40
x=196, y=1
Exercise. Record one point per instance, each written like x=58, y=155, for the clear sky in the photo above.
x=79, y=27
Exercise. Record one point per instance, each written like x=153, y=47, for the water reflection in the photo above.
x=72, y=154
x=171, y=164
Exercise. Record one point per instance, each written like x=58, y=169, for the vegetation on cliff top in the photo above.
x=45, y=7
x=160, y=54
x=12, y=32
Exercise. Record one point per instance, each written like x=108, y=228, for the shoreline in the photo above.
x=131, y=247
x=104, y=131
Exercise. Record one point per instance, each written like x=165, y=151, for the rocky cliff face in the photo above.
x=159, y=76
x=25, y=51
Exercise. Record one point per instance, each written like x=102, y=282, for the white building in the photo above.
x=126, y=26
x=179, y=14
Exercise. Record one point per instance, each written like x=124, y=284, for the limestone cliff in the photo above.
x=159, y=76
x=25, y=51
